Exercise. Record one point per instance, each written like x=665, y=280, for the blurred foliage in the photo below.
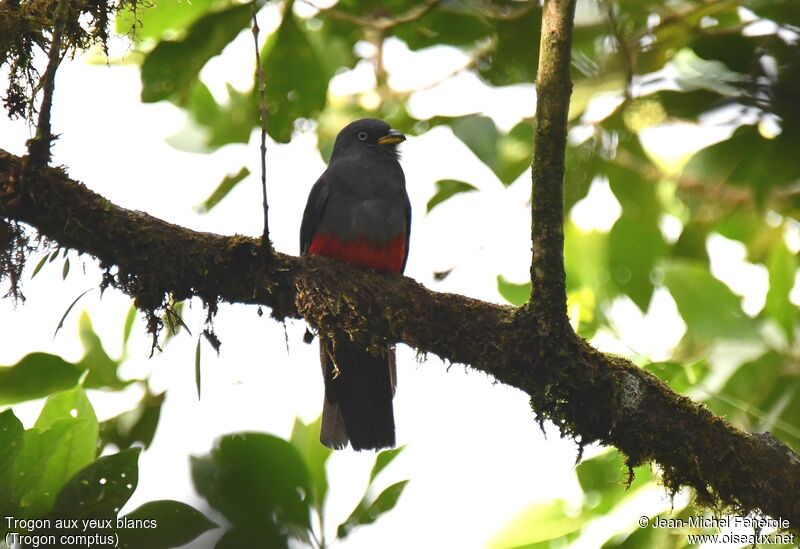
x=728, y=65
x=69, y=465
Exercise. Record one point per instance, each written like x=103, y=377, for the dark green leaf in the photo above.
x=100, y=489
x=226, y=185
x=137, y=425
x=54, y=255
x=292, y=70
x=383, y=459
x=35, y=376
x=11, y=440
x=516, y=294
x=634, y=248
x=64, y=316
x=368, y=513
x=39, y=266
x=479, y=134
x=176, y=524
x=451, y=22
x=253, y=479
x=305, y=438
x=723, y=163
x=447, y=188
x=709, y=308
x=197, y=367
x=516, y=54
x=782, y=271
x=780, y=11
x=171, y=68
x=65, y=269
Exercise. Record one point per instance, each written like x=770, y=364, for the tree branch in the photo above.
x=553, y=89
x=590, y=396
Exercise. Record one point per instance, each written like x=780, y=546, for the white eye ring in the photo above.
x=362, y=136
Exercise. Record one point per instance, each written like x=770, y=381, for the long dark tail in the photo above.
x=359, y=388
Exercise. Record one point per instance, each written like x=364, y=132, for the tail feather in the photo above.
x=359, y=388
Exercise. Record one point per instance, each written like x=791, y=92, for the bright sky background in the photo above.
x=475, y=456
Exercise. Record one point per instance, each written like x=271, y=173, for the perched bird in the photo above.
x=358, y=211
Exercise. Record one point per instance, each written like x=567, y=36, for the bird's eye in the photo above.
x=362, y=136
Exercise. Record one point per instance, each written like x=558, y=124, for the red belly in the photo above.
x=363, y=253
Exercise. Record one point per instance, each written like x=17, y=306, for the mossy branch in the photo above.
x=591, y=396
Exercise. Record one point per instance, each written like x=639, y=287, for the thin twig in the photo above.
x=262, y=108
x=622, y=46
x=39, y=146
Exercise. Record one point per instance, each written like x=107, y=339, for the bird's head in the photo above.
x=371, y=135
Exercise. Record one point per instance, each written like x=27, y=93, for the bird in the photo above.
x=358, y=211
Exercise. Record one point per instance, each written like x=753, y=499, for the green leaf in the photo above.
x=516, y=54
x=782, y=272
x=65, y=269
x=780, y=11
x=305, y=438
x=479, y=134
x=136, y=425
x=39, y=266
x=515, y=151
x=680, y=376
x=62, y=442
x=176, y=524
x=586, y=259
x=293, y=71
x=634, y=248
x=197, y=367
x=126, y=330
x=35, y=376
x=709, y=308
x=451, y=22
x=447, y=188
x=171, y=68
x=151, y=20
x=367, y=513
x=102, y=368
x=604, y=479
x=507, y=155
x=723, y=163
x=256, y=481
x=11, y=440
x=100, y=489
x=65, y=405
x=539, y=523
x=382, y=460
x=516, y=294
x=226, y=185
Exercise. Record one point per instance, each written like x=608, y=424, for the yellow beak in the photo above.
x=392, y=138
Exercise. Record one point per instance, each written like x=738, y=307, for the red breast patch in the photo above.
x=363, y=253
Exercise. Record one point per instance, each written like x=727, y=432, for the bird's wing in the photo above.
x=407, y=207
x=313, y=212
